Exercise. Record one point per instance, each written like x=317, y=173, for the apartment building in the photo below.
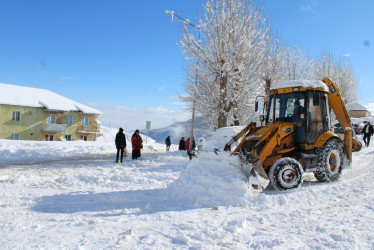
x=39, y=114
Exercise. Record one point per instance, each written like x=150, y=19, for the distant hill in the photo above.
x=177, y=130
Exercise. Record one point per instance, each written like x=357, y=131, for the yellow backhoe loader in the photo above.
x=296, y=137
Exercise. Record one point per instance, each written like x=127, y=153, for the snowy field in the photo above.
x=71, y=195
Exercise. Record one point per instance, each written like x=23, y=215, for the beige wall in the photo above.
x=358, y=113
x=30, y=125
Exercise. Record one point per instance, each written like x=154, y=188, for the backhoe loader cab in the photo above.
x=304, y=106
x=296, y=137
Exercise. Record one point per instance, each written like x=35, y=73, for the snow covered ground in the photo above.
x=72, y=195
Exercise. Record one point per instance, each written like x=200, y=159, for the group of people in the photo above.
x=136, y=141
x=185, y=144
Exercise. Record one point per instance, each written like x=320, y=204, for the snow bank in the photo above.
x=212, y=180
x=220, y=137
x=12, y=152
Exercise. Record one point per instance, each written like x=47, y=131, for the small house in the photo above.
x=356, y=110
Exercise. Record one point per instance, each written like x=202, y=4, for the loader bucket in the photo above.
x=252, y=168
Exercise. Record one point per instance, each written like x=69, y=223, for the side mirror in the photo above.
x=262, y=118
x=256, y=106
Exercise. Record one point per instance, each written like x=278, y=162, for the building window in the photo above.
x=16, y=116
x=51, y=118
x=14, y=137
x=49, y=137
x=69, y=119
x=85, y=120
x=84, y=137
x=68, y=137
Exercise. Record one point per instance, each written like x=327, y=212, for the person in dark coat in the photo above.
x=120, y=143
x=168, y=143
x=137, y=145
x=368, y=132
x=193, y=144
x=182, y=144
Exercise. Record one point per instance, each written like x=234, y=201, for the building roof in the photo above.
x=40, y=98
x=355, y=106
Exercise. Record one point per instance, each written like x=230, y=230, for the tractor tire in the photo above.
x=286, y=173
x=330, y=161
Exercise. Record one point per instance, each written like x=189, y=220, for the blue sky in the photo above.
x=122, y=57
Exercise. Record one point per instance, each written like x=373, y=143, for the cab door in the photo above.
x=318, y=116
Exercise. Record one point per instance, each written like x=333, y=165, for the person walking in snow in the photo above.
x=368, y=132
x=168, y=143
x=120, y=142
x=182, y=144
x=137, y=144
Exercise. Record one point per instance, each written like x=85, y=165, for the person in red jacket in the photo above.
x=137, y=144
x=187, y=144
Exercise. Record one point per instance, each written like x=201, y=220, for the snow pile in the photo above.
x=107, y=134
x=220, y=137
x=212, y=180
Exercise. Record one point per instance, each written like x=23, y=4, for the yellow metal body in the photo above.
x=279, y=138
x=336, y=103
x=324, y=137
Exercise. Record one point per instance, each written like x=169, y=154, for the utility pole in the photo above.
x=187, y=22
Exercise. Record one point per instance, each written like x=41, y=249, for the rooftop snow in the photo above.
x=33, y=97
x=301, y=83
x=356, y=106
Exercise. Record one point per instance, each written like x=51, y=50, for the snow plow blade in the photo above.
x=248, y=164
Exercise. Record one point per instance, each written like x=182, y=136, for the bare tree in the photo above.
x=297, y=65
x=274, y=62
x=340, y=71
x=226, y=60
x=346, y=80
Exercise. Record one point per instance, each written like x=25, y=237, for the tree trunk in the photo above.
x=222, y=120
x=235, y=114
x=222, y=117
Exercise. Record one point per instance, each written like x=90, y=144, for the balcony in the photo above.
x=54, y=127
x=84, y=129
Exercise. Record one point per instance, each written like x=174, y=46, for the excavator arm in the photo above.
x=351, y=142
x=250, y=128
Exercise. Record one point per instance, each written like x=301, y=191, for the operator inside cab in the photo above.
x=298, y=115
x=298, y=118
